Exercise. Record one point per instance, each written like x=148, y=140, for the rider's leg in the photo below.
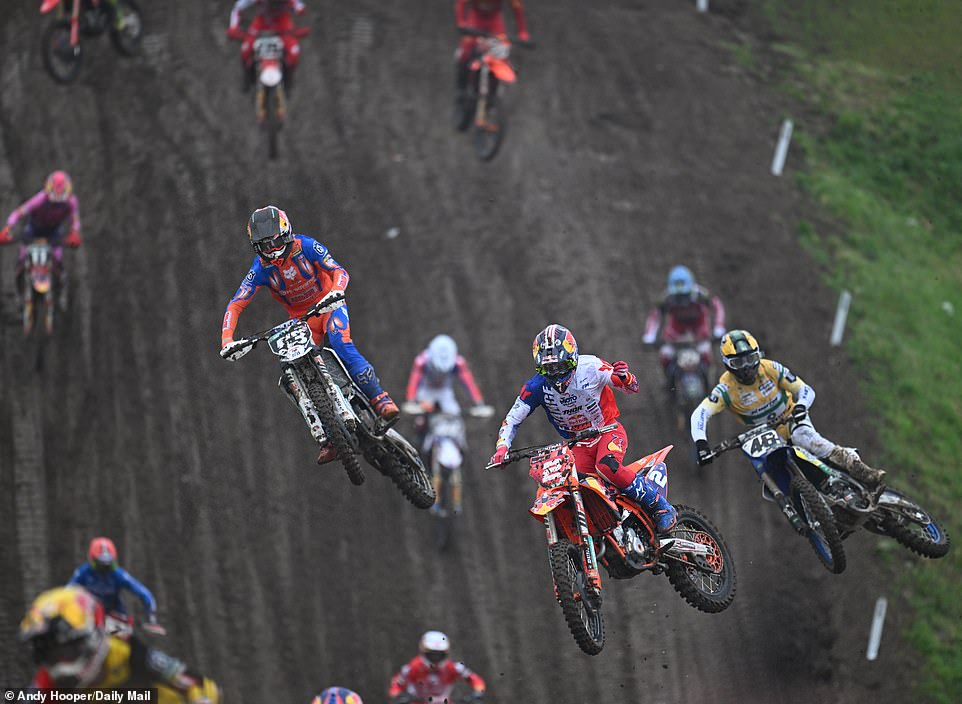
x=846, y=458
x=455, y=480
x=361, y=371
x=610, y=454
x=666, y=357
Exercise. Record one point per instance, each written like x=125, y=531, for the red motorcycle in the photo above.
x=587, y=524
x=482, y=104
x=270, y=99
x=62, y=54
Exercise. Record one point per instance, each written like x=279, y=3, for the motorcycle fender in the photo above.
x=546, y=502
x=271, y=73
x=42, y=286
x=502, y=70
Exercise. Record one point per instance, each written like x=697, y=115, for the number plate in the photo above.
x=291, y=342
x=763, y=443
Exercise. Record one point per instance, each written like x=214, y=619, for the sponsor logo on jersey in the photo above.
x=747, y=398
x=568, y=399
x=290, y=273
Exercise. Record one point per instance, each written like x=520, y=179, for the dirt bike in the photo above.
x=779, y=466
x=443, y=447
x=335, y=409
x=62, y=50
x=123, y=625
x=481, y=106
x=688, y=384
x=885, y=511
x=35, y=288
x=270, y=98
x=588, y=524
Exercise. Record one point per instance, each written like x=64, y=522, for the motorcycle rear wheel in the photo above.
x=919, y=533
x=444, y=521
x=61, y=60
x=127, y=39
x=823, y=533
x=708, y=586
x=586, y=623
x=407, y=471
x=338, y=434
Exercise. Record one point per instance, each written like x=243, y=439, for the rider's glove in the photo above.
x=524, y=36
x=231, y=351
x=704, y=453
x=481, y=410
x=5, y=236
x=152, y=619
x=73, y=239
x=235, y=32
x=799, y=412
x=718, y=333
x=499, y=455
x=621, y=370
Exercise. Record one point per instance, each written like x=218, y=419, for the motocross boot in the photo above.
x=847, y=458
x=384, y=406
x=327, y=454
x=644, y=493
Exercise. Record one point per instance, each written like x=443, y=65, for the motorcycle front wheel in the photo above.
x=61, y=60
x=822, y=532
x=128, y=29
x=337, y=432
x=585, y=620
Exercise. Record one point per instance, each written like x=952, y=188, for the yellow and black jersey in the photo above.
x=773, y=394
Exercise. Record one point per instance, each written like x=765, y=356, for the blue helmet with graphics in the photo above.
x=337, y=695
x=681, y=282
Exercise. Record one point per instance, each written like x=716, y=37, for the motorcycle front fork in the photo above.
x=784, y=504
x=291, y=385
x=588, y=544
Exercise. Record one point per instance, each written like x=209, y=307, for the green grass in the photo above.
x=886, y=161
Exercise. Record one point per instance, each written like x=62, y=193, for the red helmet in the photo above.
x=58, y=187
x=102, y=553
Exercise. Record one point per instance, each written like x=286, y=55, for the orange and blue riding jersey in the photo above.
x=297, y=282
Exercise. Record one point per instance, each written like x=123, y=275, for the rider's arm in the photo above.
x=157, y=667
x=519, y=20
x=461, y=12
x=324, y=264
x=128, y=582
x=802, y=392
x=417, y=373
x=27, y=207
x=79, y=574
x=74, y=214
x=399, y=682
x=718, y=316
x=474, y=680
x=716, y=402
x=651, y=326
x=239, y=302
x=467, y=378
x=528, y=399
x=236, y=11
x=623, y=380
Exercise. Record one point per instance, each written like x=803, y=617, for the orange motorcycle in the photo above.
x=588, y=524
x=62, y=54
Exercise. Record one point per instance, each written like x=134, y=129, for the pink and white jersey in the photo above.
x=588, y=402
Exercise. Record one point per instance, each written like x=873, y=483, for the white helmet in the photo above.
x=434, y=646
x=443, y=354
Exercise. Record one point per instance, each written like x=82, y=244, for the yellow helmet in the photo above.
x=64, y=629
x=741, y=354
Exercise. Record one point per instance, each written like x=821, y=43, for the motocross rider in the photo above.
x=105, y=579
x=686, y=310
x=756, y=389
x=300, y=272
x=575, y=392
x=272, y=16
x=431, y=675
x=64, y=629
x=486, y=16
x=48, y=213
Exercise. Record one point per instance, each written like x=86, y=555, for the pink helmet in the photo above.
x=58, y=187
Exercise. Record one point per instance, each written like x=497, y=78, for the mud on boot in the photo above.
x=847, y=458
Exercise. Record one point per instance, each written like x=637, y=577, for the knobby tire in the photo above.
x=63, y=65
x=586, y=624
x=337, y=432
x=709, y=591
x=807, y=500
x=928, y=539
x=127, y=41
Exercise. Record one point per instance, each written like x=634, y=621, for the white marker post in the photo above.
x=875, y=635
x=781, y=150
x=841, y=314
x=702, y=5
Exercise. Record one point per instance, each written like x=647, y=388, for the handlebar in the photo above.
x=512, y=39
x=526, y=452
x=739, y=439
x=239, y=34
x=239, y=348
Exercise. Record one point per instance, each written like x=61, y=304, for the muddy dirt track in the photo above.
x=635, y=143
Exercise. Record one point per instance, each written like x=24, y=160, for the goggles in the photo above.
x=744, y=361
x=274, y=244
x=435, y=656
x=552, y=369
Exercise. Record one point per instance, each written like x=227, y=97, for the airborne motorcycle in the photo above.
x=823, y=493
x=588, y=524
x=62, y=50
x=334, y=408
